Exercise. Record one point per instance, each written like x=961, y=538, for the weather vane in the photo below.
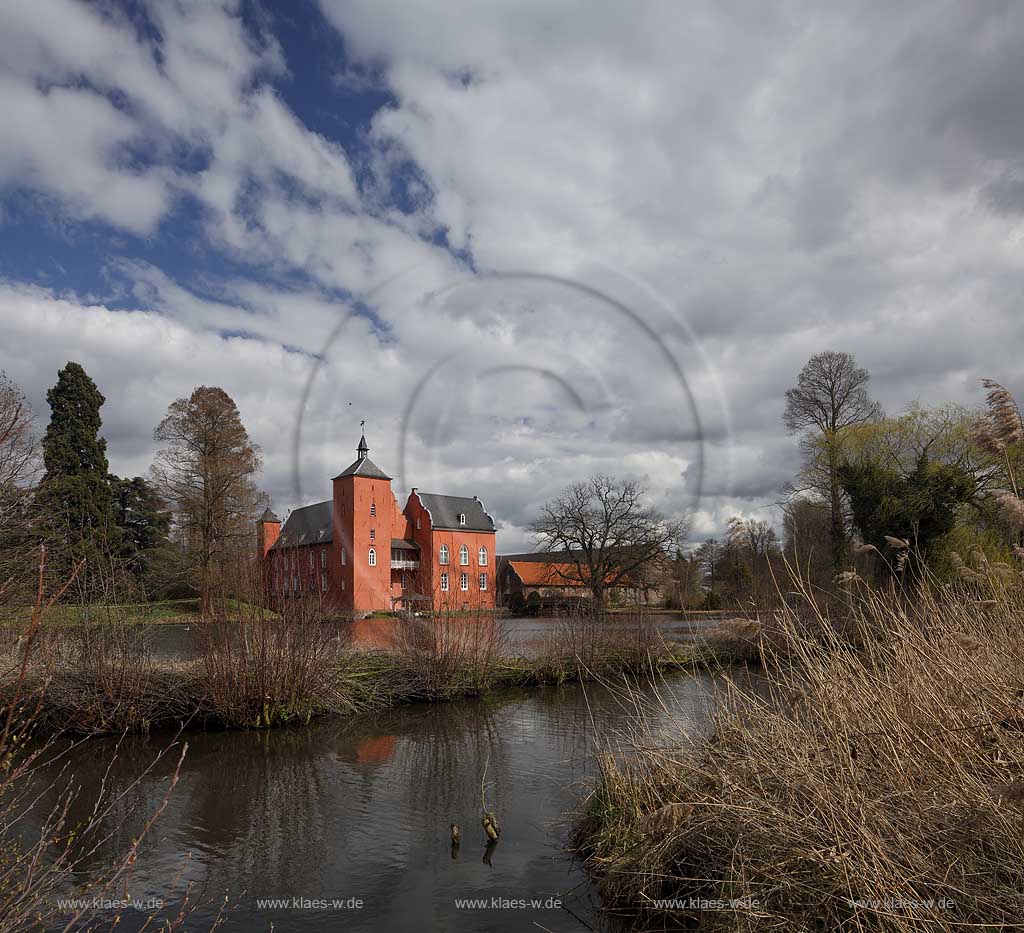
x=361, y=423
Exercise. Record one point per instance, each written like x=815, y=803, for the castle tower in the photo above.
x=268, y=530
x=363, y=527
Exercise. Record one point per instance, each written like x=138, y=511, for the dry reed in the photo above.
x=876, y=786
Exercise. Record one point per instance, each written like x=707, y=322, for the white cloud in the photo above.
x=723, y=190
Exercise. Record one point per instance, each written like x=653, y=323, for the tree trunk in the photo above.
x=838, y=529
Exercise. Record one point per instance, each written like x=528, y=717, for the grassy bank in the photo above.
x=263, y=671
x=878, y=784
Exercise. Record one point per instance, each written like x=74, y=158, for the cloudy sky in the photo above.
x=525, y=241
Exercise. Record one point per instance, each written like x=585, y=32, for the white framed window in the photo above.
x=372, y=558
x=295, y=584
x=462, y=518
x=343, y=583
x=373, y=534
x=464, y=556
x=444, y=583
x=483, y=582
x=443, y=554
x=310, y=555
x=463, y=582
x=323, y=558
x=344, y=559
x=418, y=526
x=481, y=557
x=323, y=580
x=373, y=509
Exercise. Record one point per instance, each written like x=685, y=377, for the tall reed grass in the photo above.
x=877, y=784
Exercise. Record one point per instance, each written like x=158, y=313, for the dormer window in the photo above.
x=462, y=518
x=373, y=509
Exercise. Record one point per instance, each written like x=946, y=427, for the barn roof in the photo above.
x=536, y=573
x=445, y=510
x=312, y=524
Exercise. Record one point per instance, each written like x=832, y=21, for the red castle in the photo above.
x=359, y=553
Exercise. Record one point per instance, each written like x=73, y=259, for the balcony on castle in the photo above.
x=405, y=555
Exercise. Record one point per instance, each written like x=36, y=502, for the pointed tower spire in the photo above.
x=363, y=449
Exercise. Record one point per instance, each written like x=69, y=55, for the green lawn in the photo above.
x=166, y=612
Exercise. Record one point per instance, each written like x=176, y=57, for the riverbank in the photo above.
x=101, y=680
x=878, y=784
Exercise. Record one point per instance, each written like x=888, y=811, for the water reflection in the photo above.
x=362, y=808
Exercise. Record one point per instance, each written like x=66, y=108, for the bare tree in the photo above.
x=19, y=468
x=806, y=528
x=205, y=472
x=756, y=539
x=830, y=397
x=605, y=533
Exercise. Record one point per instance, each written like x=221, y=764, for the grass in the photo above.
x=877, y=784
x=258, y=669
x=165, y=612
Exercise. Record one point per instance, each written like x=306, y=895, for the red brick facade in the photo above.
x=359, y=552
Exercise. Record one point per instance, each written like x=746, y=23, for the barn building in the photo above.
x=359, y=552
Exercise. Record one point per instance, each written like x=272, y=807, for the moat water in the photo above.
x=360, y=809
x=522, y=634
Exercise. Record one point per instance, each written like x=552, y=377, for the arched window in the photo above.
x=464, y=556
x=462, y=518
x=373, y=558
x=443, y=556
x=418, y=526
x=481, y=557
x=373, y=509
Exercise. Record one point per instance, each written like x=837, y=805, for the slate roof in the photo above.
x=268, y=516
x=403, y=544
x=445, y=510
x=312, y=524
x=363, y=466
x=545, y=557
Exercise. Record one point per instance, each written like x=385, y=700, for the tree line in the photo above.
x=168, y=534
x=925, y=492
